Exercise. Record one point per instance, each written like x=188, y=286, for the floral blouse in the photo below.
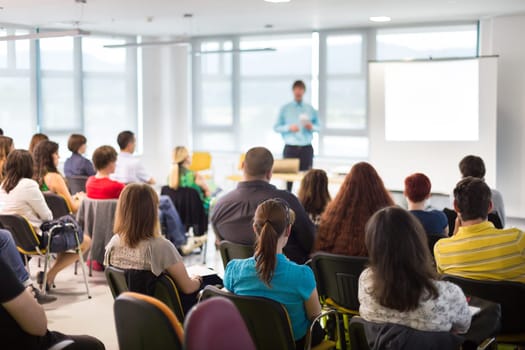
x=449, y=311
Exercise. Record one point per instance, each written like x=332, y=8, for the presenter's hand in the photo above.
x=308, y=126
x=294, y=128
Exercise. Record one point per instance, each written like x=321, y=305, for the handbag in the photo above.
x=64, y=234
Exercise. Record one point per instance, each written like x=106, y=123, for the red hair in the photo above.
x=342, y=226
x=417, y=187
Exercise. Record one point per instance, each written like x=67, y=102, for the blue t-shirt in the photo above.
x=291, y=286
x=434, y=221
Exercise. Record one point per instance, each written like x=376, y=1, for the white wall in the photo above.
x=165, y=106
x=503, y=36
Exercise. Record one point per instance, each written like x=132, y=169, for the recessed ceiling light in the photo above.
x=277, y=1
x=380, y=19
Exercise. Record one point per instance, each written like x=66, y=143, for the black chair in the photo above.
x=76, y=184
x=511, y=297
x=145, y=323
x=230, y=251
x=337, y=278
x=57, y=204
x=190, y=208
x=432, y=240
x=267, y=320
x=452, y=215
x=116, y=279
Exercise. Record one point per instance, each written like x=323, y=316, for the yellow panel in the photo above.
x=200, y=161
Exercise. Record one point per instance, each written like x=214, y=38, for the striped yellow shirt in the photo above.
x=483, y=252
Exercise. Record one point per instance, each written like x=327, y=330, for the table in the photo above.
x=290, y=177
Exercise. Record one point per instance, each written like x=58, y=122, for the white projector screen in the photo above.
x=424, y=116
x=423, y=100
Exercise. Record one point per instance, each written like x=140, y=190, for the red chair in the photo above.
x=216, y=324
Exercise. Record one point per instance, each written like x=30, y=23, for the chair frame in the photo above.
x=46, y=252
x=224, y=247
x=212, y=291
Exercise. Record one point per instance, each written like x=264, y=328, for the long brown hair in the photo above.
x=43, y=157
x=399, y=259
x=313, y=193
x=137, y=218
x=6, y=143
x=272, y=219
x=342, y=226
x=19, y=165
x=35, y=140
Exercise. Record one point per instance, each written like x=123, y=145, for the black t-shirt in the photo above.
x=11, y=335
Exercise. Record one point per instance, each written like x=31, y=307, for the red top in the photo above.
x=103, y=188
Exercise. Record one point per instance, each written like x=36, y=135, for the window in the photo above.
x=427, y=42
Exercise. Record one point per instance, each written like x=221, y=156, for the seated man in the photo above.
x=129, y=169
x=478, y=250
x=475, y=167
x=232, y=216
x=417, y=192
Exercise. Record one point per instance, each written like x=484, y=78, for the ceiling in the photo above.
x=214, y=17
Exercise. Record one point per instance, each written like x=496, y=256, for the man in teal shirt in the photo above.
x=296, y=123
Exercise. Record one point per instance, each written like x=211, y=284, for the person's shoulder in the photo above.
x=27, y=183
x=448, y=289
x=238, y=265
x=114, y=241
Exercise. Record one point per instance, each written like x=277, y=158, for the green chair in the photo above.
x=267, y=321
x=166, y=291
x=145, y=323
x=230, y=251
x=116, y=279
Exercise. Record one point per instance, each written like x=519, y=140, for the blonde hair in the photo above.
x=180, y=153
x=137, y=217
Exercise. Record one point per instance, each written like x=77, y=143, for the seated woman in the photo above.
x=77, y=165
x=35, y=140
x=47, y=175
x=417, y=192
x=138, y=244
x=24, y=323
x=398, y=253
x=182, y=176
x=100, y=186
x=270, y=274
x=313, y=194
x=6, y=146
x=342, y=226
x=20, y=195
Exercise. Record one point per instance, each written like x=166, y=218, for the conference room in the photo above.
x=262, y=174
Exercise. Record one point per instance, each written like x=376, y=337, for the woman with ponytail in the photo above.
x=271, y=275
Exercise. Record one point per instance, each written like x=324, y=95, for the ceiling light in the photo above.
x=380, y=19
x=277, y=1
x=43, y=35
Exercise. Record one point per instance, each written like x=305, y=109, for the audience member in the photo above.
x=478, y=250
x=182, y=176
x=129, y=169
x=1, y=132
x=77, y=165
x=474, y=166
x=46, y=174
x=417, y=192
x=12, y=257
x=20, y=195
x=24, y=323
x=233, y=214
x=401, y=285
x=342, y=226
x=35, y=140
x=313, y=194
x=6, y=146
x=138, y=244
x=271, y=275
x=101, y=186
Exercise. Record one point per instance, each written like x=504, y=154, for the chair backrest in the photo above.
x=230, y=251
x=452, y=215
x=366, y=335
x=267, y=320
x=144, y=323
x=26, y=239
x=166, y=291
x=200, y=161
x=116, y=279
x=57, y=204
x=337, y=277
x=432, y=240
x=510, y=296
x=188, y=203
x=216, y=324
x=76, y=184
